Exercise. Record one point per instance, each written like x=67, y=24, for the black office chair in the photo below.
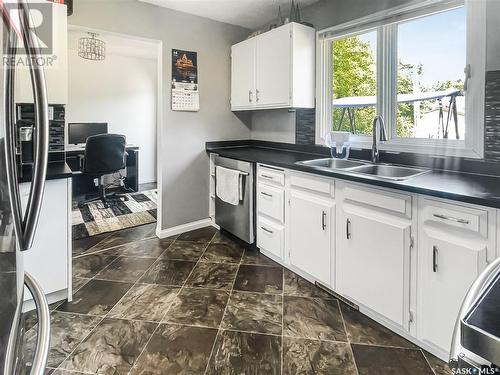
x=104, y=154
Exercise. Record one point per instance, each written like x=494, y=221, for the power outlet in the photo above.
x=96, y=181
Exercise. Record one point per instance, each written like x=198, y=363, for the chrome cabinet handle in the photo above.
x=41, y=156
x=257, y=95
x=266, y=194
x=267, y=176
x=348, y=229
x=435, y=253
x=250, y=96
x=451, y=218
x=323, y=220
x=267, y=230
x=43, y=337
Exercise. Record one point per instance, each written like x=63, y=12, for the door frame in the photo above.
x=159, y=105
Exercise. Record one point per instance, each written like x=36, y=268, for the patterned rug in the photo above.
x=93, y=218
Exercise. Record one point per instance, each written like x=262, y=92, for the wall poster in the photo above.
x=185, y=93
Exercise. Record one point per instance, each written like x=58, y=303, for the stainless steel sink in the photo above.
x=332, y=163
x=390, y=172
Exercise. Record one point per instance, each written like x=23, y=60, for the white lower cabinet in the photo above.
x=270, y=236
x=311, y=230
x=407, y=260
x=373, y=260
x=271, y=211
x=454, y=245
x=49, y=260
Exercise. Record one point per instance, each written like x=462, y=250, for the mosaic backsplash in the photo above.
x=305, y=126
x=492, y=117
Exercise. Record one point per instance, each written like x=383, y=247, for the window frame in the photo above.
x=385, y=22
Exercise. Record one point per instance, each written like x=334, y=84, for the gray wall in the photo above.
x=493, y=35
x=327, y=13
x=276, y=125
x=181, y=155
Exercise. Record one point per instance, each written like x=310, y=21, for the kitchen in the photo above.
x=328, y=203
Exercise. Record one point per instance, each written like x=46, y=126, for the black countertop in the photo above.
x=55, y=171
x=465, y=187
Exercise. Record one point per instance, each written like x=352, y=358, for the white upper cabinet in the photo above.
x=56, y=70
x=274, y=69
x=243, y=74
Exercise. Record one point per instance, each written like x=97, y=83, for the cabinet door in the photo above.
x=47, y=260
x=273, y=68
x=373, y=266
x=449, y=265
x=243, y=75
x=311, y=226
x=56, y=64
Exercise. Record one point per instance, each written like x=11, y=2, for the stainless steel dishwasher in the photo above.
x=238, y=220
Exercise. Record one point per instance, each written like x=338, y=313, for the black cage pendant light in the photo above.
x=91, y=48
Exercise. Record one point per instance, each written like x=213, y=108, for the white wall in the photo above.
x=121, y=90
x=182, y=156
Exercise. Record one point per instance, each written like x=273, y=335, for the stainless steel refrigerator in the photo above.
x=18, y=226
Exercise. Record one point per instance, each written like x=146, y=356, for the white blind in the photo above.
x=413, y=9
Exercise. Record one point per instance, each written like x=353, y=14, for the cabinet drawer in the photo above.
x=271, y=175
x=271, y=201
x=384, y=200
x=313, y=183
x=270, y=236
x=475, y=220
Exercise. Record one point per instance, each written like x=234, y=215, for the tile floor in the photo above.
x=200, y=303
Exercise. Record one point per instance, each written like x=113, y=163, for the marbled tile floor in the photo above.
x=200, y=303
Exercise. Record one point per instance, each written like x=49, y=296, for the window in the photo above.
x=414, y=67
x=354, y=83
x=430, y=86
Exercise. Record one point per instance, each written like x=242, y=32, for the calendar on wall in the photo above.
x=185, y=92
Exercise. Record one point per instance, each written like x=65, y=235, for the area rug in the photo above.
x=93, y=218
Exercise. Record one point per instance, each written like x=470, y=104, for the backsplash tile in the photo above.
x=305, y=126
x=492, y=117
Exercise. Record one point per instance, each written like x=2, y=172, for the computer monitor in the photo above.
x=79, y=132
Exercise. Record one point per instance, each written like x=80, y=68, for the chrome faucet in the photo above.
x=378, y=120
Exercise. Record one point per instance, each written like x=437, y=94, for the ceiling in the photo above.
x=250, y=14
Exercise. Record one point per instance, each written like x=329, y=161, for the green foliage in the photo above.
x=355, y=74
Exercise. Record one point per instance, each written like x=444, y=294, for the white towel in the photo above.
x=228, y=185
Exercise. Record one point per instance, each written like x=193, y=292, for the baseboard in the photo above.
x=183, y=228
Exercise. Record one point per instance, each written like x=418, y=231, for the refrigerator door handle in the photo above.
x=10, y=139
x=41, y=153
x=43, y=337
x=26, y=227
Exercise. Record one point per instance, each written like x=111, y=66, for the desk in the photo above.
x=83, y=184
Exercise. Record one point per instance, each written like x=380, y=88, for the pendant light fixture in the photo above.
x=91, y=48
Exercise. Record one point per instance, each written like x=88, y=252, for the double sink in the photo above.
x=381, y=171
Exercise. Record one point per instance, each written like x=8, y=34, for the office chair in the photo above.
x=104, y=154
